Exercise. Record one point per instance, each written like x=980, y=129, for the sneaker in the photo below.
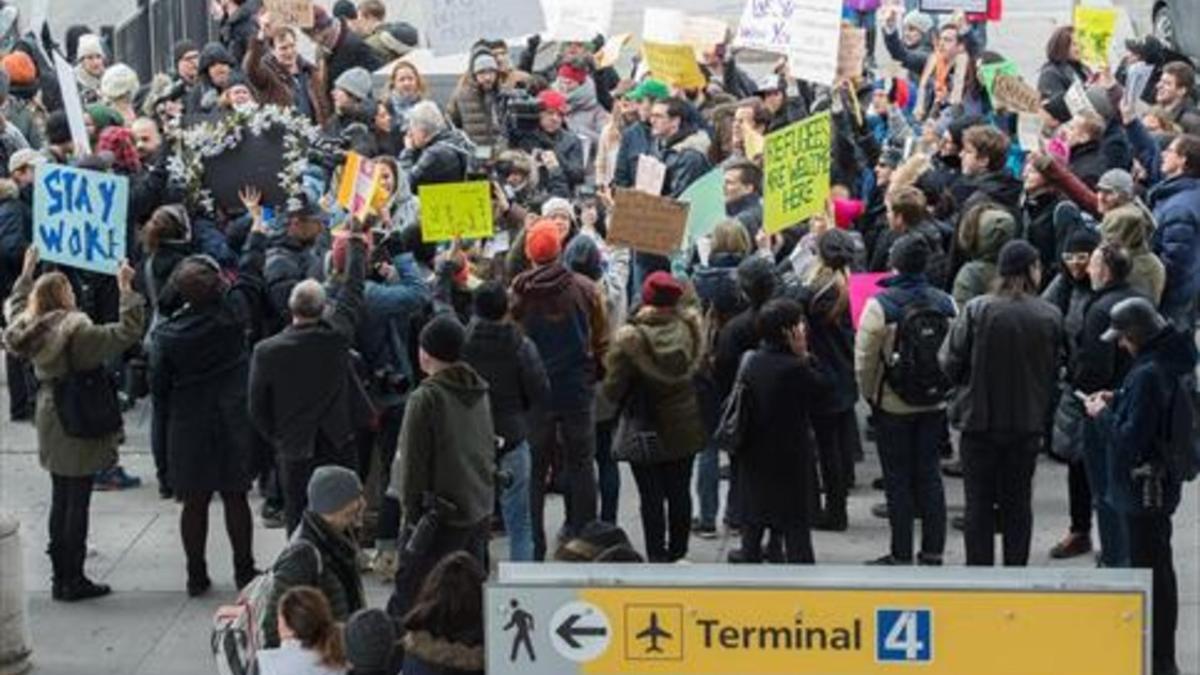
x=272, y=517
x=703, y=531
x=114, y=479
x=84, y=589
x=929, y=560
x=888, y=561
x=1073, y=545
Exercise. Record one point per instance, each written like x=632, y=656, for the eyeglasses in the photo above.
x=1076, y=257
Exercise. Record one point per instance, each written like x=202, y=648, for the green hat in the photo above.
x=655, y=89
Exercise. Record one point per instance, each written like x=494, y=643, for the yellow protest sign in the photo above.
x=450, y=210
x=675, y=64
x=753, y=141
x=796, y=172
x=359, y=185
x=1094, y=28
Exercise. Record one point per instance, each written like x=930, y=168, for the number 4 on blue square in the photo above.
x=903, y=636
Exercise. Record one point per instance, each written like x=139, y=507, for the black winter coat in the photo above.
x=443, y=160
x=775, y=463
x=16, y=233
x=1098, y=365
x=568, y=150
x=350, y=52
x=239, y=28
x=1089, y=162
x=199, y=372
x=685, y=155
x=517, y=382
x=831, y=341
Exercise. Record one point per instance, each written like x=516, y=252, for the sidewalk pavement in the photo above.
x=149, y=625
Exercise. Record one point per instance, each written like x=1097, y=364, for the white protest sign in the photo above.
x=807, y=31
x=575, y=20
x=72, y=105
x=454, y=25
x=651, y=174
x=80, y=217
x=1077, y=100
x=674, y=26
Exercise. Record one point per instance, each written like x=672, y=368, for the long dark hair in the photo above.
x=305, y=610
x=450, y=603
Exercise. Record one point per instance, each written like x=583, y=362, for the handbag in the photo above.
x=1066, y=440
x=87, y=401
x=735, y=412
x=636, y=439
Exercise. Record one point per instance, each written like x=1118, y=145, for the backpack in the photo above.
x=1178, y=437
x=912, y=369
x=239, y=629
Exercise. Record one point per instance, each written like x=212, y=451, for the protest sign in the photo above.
x=456, y=210
x=257, y=160
x=863, y=287
x=298, y=13
x=674, y=64
x=1094, y=28
x=1013, y=93
x=453, y=26
x=647, y=223
x=359, y=185
x=807, y=31
x=989, y=71
x=676, y=27
x=706, y=204
x=610, y=53
x=72, y=105
x=796, y=172
x=752, y=142
x=1077, y=100
x=80, y=217
x=1137, y=77
x=951, y=6
x=702, y=32
x=650, y=175
x=574, y=20
x=852, y=51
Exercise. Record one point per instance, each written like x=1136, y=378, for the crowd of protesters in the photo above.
x=1042, y=300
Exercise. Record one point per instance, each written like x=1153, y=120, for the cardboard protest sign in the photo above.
x=706, y=200
x=257, y=160
x=674, y=64
x=1013, y=93
x=359, y=184
x=852, y=52
x=1094, y=28
x=862, y=288
x=951, y=6
x=298, y=13
x=807, y=31
x=988, y=72
x=452, y=27
x=796, y=172
x=72, y=105
x=610, y=53
x=647, y=223
x=574, y=20
x=650, y=175
x=80, y=217
x=456, y=210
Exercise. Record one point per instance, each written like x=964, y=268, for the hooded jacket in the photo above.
x=660, y=350
x=996, y=228
x=1132, y=226
x=516, y=378
x=204, y=96
x=1176, y=204
x=239, y=28
x=447, y=447
x=443, y=160
x=475, y=110
x=563, y=313
x=686, y=157
x=65, y=341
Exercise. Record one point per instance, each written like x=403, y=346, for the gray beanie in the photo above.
x=331, y=488
x=370, y=640
x=919, y=20
x=356, y=82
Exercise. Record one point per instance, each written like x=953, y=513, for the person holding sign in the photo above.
x=1063, y=68
x=46, y=327
x=681, y=146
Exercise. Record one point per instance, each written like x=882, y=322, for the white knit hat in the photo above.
x=118, y=81
x=89, y=45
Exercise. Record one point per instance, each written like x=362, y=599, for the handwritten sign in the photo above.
x=574, y=20
x=950, y=6
x=452, y=27
x=80, y=217
x=676, y=27
x=796, y=172
x=675, y=64
x=1077, y=100
x=610, y=53
x=647, y=223
x=807, y=31
x=1013, y=93
x=72, y=105
x=297, y=13
x=651, y=174
x=1094, y=28
x=359, y=185
x=852, y=51
x=456, y=210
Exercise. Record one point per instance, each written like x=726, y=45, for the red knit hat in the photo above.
x=661, y=290
x=572, y=72
x=542, y=241
x=21, y=70
x=552, y=100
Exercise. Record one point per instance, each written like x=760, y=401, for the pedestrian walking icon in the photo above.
x=522, y=622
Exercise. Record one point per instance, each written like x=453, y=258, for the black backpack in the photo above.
x=1178, y=439
x=912, y=369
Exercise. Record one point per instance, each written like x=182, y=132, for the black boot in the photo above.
x=198, y=582
x=832, y=520
x=83, y=589
x=58, y=579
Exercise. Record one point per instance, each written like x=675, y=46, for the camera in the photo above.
x=519, y=113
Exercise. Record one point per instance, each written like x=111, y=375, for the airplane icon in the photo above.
x=654, y=634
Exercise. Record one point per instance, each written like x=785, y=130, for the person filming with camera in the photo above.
x=556, y=150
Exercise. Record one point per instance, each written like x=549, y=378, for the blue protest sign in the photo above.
x=79, y=217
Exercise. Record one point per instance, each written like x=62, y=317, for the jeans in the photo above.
x=1114, y=537
x=576, y=433
x=908, y=450
x=71, y=497
x=797, y=544
x=1150, y=548
x=608, y=474
x=998, y=472
x=514, y=503
x=665, y=504
x=708, y=484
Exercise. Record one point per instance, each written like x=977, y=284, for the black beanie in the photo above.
x=909, y=255
x=182, y=48
x=1016, y=258
x=58, y=130
x=443, y=338
x=370, y=639
x=491, y=301
x=1082, y=240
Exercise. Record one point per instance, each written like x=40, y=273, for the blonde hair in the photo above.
x=50, y=292
x=730, y=236
x=422, y=86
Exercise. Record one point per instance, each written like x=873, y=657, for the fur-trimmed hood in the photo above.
x=42, y=339
x=663, y=346
x=442, y=653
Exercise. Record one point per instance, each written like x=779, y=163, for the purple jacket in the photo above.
x=861, y=5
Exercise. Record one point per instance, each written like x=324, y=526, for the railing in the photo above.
x=145, y=39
